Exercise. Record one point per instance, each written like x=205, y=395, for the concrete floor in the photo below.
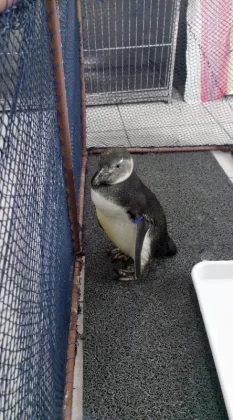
x=161, y=124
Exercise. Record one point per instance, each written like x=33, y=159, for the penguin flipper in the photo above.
x=142, y=228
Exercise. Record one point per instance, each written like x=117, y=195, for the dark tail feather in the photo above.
x=171, y=247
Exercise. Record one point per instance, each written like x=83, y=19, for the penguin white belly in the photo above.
x=116, y=223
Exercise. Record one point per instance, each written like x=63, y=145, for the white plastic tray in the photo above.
x=213, y=281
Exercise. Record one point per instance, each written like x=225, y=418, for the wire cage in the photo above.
x=139, y=54
x=129, y=50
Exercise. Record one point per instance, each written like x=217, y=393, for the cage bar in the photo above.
x=98, y=150
x=72, y=337
x=56, y=48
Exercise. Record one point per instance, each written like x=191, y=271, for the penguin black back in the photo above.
x=117, y=183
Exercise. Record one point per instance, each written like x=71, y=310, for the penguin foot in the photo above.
x=118, y=255
x=127, y=274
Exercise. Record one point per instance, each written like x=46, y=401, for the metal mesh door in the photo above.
x=129, y=49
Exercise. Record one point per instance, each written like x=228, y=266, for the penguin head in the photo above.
x=115, y=166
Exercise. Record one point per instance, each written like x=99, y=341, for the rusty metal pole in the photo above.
x=76, y=212
x=167, y=149
x=72, y=338
x=7, y=4
x=63, y=120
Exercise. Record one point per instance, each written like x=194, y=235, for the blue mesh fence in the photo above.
x=36, y=252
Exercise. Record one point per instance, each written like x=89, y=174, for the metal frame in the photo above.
x=62, y=112
x=75, y=209
x=225, y=148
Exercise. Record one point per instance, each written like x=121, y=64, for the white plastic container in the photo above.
x=213, y=281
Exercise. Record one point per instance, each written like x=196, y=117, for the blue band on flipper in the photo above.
x=139, y=219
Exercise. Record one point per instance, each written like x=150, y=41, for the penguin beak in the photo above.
x=100, y=177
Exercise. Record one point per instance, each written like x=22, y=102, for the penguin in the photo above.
x=129, y=213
